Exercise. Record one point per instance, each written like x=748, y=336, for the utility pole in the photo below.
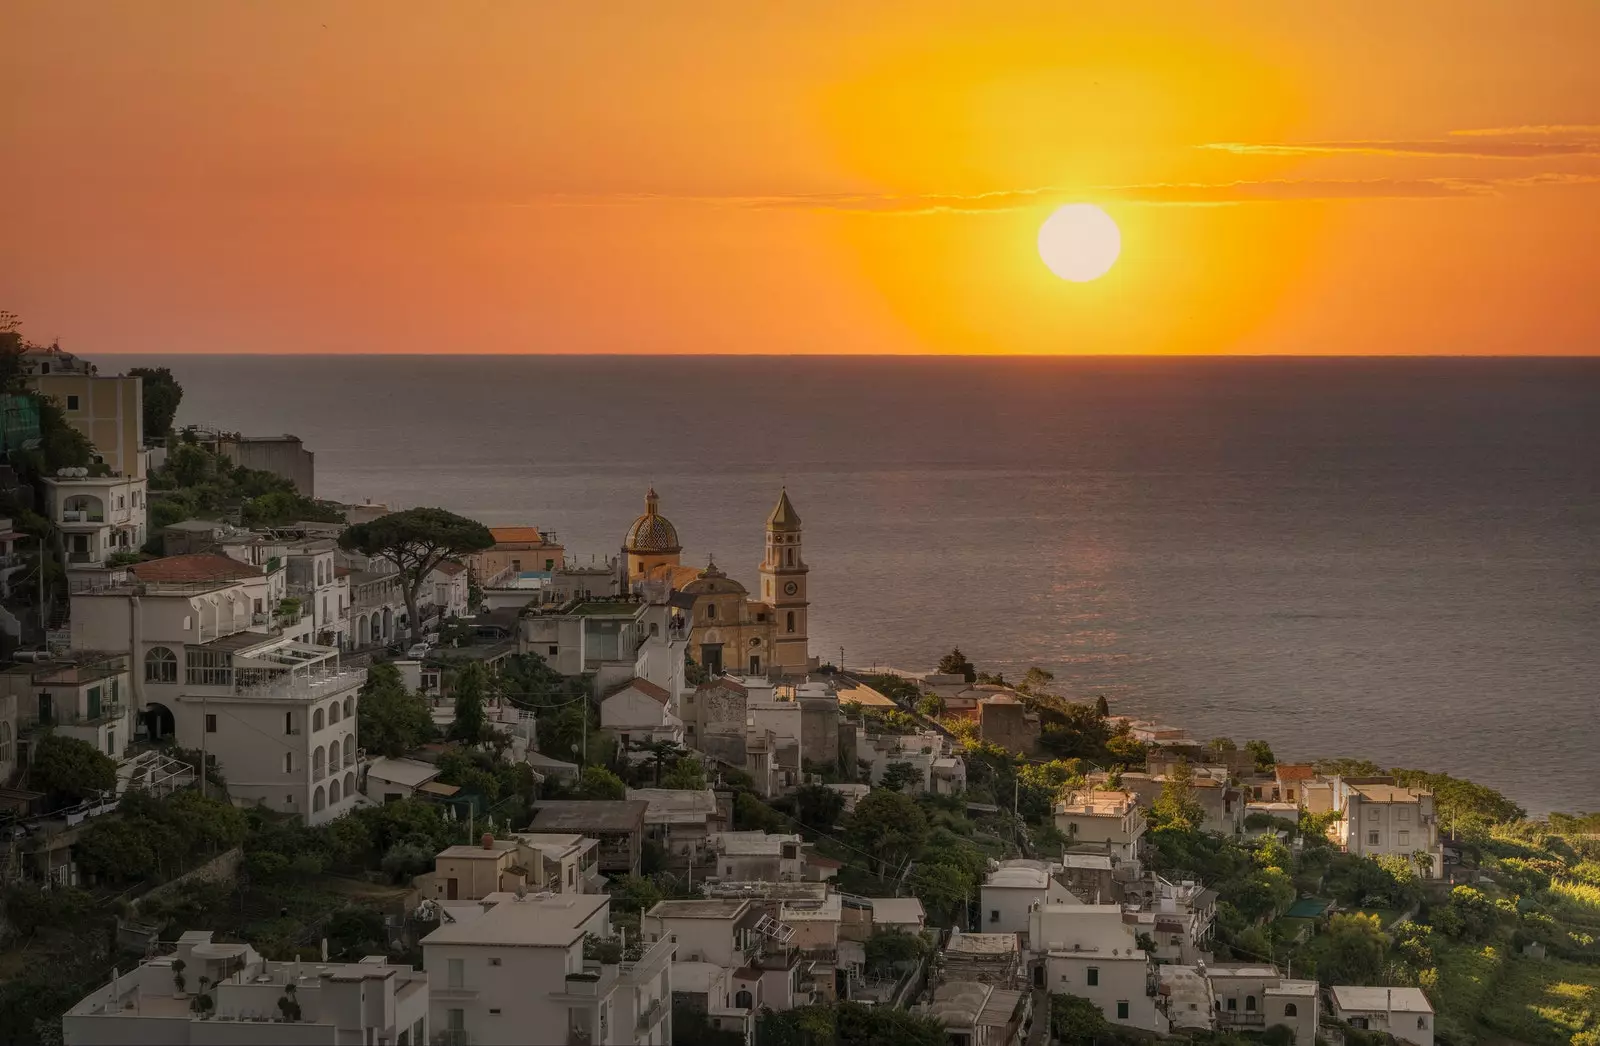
x=204, y=723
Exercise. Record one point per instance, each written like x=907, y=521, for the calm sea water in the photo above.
x=1397, y=559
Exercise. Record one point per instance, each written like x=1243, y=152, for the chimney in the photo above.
x=488, y=840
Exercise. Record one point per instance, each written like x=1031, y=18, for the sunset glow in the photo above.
x=715, y=177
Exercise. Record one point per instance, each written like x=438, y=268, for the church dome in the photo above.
x=652, y=532
x=784, y=517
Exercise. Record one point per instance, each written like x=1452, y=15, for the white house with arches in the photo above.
x=207, y=668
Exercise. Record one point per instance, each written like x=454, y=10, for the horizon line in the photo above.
x=869, y=355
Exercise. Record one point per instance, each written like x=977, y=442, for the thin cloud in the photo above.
x=1158, y=194
x=1471, y=146
x=1585, y=129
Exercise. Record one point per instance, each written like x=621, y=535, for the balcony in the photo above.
x=83, y=516
x=1241, y=1020
x=82, y=557
x=651, y=1015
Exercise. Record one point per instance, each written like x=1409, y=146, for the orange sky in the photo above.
x=827, y=177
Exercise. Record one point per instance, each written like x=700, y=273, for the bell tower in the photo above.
x=783, y=584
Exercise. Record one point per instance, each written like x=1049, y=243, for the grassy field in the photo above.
x=1545, y=1002
x=1468, y=977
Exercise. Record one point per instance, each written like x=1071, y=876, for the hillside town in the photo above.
x=280, y=769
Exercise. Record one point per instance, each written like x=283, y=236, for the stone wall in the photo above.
x=222, y=868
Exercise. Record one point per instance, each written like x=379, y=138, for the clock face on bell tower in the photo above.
x=790, y=588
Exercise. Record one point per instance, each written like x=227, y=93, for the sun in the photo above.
x=1079, y=242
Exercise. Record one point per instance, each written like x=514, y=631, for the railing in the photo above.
x=80, y=557
x=652, y=1013
x=1246, y=1019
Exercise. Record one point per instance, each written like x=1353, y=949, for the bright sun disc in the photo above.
x=1079, y=242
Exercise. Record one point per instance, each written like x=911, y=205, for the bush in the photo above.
x=70, y=770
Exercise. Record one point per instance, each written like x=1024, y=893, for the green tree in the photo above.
x=1178, y=805
x=687, y=772
x=955, y=663
x=818, y=806
x=635, y=893
x=354, y=931
x=943, y=890
x=896, y=776
x=1036, y=680
x=1101, y=707
x=750, y=814
x=1076, y=1021
x=161, y=394
x=888, y=825
x=661, y=753
x=889, y=949
x=416, y=541
x=1351, y=950
x=599, y=783
x=391, y=720
x=1262, y=752
x=69, y=769
x=470, y=726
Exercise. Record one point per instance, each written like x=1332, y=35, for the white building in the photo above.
x=1111, y=821
x=450, y=585
x=82, y=695
x=615, y=639
x=1178, y=917
x=1402, y=1012
x=1379, y=818
x=681, y=820
x=214, y=672
x=926, y=751
x=323, y=595
x=1088, y=951
x=513, y=971
x=639, y=713
x=249, y=999
x=388, y=780
x=758, y=857
x=1011, y=891
x=98, y=516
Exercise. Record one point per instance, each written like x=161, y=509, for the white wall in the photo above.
x=1117, y=980
x=519, y=988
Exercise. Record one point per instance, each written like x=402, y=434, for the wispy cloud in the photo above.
x=1468, y=146
x=1530, y=129
x=1159, y=194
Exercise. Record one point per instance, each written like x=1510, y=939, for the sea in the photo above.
x=1396, y=559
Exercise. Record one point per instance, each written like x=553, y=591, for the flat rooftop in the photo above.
x=583, y=816
x=982, y=944
x=1380, y=1000
x=709, y=908
x=534, y=921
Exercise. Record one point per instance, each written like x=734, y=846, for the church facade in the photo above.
x=729, y=630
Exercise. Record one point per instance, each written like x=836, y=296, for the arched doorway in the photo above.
x=157, y=722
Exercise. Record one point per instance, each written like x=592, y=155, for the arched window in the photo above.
x=350, y=783
x=1422, y=1023
x=160, y=665
x=319, y=799
x=790, y=556
x=349, y=707
x=1289, y=1010
x=791, y=621
x=711, y=611
x=743, y=1000
x=1249, y=1004
x=318, y=761
x=333, y=791
x=333, y=713
x=316, y=720
x=333, y=756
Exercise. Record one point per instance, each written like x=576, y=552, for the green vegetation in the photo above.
x=195, y=482
x=162, y=395
x=417, y=540
x=69, y=770
x=847, y=1024
x=955, y=663
x=392, y=720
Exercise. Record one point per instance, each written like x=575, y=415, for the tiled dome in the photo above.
x=652, y=532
